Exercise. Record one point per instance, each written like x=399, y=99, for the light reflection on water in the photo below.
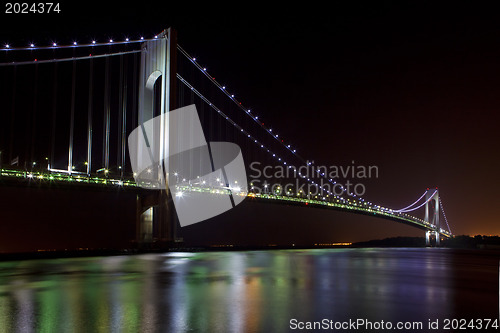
x=252, y=291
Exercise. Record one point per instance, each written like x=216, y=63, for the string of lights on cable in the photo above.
x=415, y=208
x=444, y=214
x=75, y=44
x=238, y=103
x=260, y=144
x=413, y=204
x=93, y=44
x=255, y=118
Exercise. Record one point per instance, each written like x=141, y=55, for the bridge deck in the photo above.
x=27, y=178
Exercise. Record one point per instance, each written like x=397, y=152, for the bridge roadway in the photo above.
x=21, y=177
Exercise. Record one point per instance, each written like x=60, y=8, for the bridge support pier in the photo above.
x=156, y=217
x=432, y=238
x=157, y=223
x=432, y=217
x=432, y=198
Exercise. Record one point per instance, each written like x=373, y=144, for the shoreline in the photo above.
x=62, y=254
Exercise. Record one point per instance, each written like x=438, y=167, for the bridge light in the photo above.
x=54, y=44
x=7, y=46
x=93, y=42
x=32, y=45
x=75, y=43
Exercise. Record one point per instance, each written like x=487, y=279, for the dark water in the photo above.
x=254, y=291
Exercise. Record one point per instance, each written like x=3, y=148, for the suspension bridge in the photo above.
x=69, y=110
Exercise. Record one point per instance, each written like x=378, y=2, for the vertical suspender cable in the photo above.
x=12, y=118
x=105, y=141
x=89, y=118
x=27, y=133
x=120, y=117
x=54, y=114
x=72, y=120
x=124, y=87
x=134, y=92
x=33, y=127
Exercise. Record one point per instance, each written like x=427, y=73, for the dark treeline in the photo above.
x=473, y=242
x=393, y=242
x=462, y=241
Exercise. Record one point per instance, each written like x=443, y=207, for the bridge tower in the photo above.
x=432, y=217
x=156, y=217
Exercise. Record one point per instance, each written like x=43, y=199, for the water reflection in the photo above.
x=228, y=291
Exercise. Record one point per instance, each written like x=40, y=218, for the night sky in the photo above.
x=412, y=88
